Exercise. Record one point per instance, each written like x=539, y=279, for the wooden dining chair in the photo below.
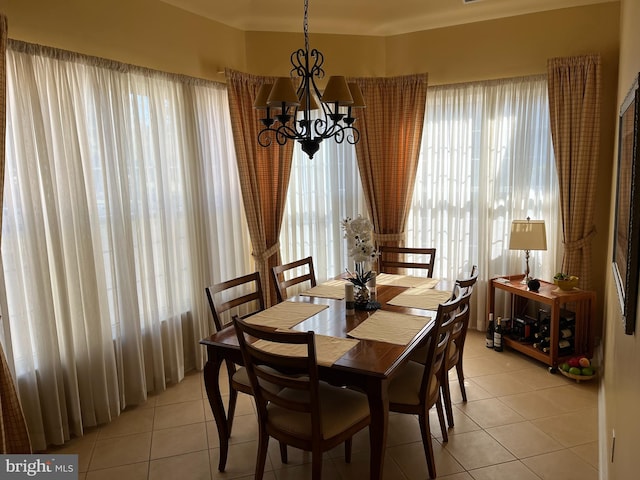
x=399, y=259
x=455, y=350
x=468, y=283
x=453, y=356
x=416, y=387
x=291, y=274
x=294, y=407
x=241, y=295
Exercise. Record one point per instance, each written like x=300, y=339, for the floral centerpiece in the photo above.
x=360, y=247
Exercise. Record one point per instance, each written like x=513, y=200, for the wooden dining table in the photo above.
x=367, y=366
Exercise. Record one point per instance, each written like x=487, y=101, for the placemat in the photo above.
x=390, y=327
x=285, y=314
x=329, y=289
x=328, y=349
x=421, y=297
x=405, y=280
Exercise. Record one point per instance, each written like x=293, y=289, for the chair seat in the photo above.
x=240, y=381
x=241, y=378
x=340, y=408
x=405, y=386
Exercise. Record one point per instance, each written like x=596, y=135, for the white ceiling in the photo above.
x=364, y=17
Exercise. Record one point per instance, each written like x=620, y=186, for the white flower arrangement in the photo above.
x=360, y=247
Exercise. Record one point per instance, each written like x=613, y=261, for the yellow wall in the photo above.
x=148, y=33
x=621, y=381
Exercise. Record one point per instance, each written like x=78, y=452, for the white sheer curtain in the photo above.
x=486, y=160
x=121, y=204
x=322, y=192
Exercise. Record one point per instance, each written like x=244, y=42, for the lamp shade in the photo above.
x=313, y=104
x=283, y=92
x=528, y=235
x=356, y=94
x=263, y=96
x=337, y=91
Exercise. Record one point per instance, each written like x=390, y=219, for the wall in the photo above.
x=148, y=33
x=621, y=384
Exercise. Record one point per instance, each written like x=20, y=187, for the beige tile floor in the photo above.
x=520, y=422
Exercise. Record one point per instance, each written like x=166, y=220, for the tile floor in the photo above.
x=520, y=422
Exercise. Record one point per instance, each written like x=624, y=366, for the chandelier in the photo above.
x=289, y=101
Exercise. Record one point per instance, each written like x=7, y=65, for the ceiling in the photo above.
x=364, y=17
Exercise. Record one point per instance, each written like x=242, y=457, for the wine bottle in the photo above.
x=497, y=336
x=489, y=341
x=565, y=346
x=544, y=329
x=542, y=344
x=566, y=333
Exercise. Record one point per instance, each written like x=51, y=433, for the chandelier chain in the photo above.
x=305, y=25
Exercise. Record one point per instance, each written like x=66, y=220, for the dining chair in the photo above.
x=398, y=259
x=293, y=406
x=453, y=354
x=455, y=350
x=291, y=274
x=241, y=295
x=416, y=387
x=469, y=282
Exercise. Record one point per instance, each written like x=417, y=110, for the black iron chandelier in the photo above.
x=292, y=107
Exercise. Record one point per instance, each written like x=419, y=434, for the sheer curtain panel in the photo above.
x=113, y=175
x=486, y=160
x=14, y=436
x=322, y=192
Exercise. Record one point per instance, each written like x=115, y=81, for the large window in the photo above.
x=122, y=202
x=322, y=192
x=486, y=160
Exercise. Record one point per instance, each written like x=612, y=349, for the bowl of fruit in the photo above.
x=578, y=368
x=565, y=282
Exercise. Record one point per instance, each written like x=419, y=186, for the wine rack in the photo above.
x=563, y=325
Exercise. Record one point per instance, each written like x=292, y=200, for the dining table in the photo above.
x=366, y=363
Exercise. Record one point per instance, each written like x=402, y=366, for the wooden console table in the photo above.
x=581, y=302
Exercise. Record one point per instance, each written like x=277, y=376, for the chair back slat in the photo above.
x=400, y=259
x=242, y=295
x=291, y=274
x=468, y=283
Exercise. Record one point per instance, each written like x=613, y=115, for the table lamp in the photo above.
x=528, y=235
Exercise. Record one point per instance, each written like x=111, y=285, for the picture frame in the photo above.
x=626, y=234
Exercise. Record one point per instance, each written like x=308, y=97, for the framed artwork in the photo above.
x=626, y=235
